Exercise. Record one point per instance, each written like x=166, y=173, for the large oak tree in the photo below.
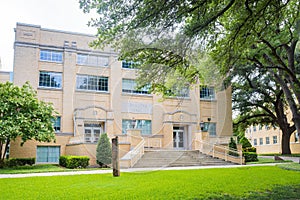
x=163, y=35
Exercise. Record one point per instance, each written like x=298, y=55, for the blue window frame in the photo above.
x=47, y=154
x=51, y=56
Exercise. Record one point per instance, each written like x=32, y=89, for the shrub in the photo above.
x=72, y=162
x=249, y=149
x=245, y=142
x=103, y=151
x=63, y=161
x=250, y=156
x=14, y=162
x=233, y=147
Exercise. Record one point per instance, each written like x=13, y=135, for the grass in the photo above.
x=268, y=160
x=291, y=166
x=38, y=169
x=268, y=182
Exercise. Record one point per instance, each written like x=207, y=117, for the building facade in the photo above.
x=267, y=139
x=94, y=92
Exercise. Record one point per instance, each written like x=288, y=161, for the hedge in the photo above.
x=72, y=162
x=14, y=162
x=250, y=156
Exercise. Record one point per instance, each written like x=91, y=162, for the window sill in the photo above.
x=92, y=91
x=134, y=94
x=209, y=100
x=49, y=88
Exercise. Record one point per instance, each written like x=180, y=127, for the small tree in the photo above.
x=103, y=152
x=232, y=147
x=23, y=115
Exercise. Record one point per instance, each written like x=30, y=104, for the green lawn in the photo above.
x=232, y=183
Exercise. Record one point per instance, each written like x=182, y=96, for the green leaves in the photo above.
x=23, y=115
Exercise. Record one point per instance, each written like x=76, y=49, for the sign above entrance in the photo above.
x=135, y=107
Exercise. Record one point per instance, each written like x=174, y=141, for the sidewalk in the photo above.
x=125, y=170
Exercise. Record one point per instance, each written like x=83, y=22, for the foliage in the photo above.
x=14, y=162
x=232, y=146
x=104, y=151
x=23, y=115
x=234, y=183
x=72, y=162
x=245, y=143
x=250, y=156
x=166, y=36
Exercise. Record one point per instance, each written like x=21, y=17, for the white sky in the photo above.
x=54, y=14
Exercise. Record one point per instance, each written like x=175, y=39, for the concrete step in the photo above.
x=173, y=158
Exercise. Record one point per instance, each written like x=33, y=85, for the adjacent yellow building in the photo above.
x=94, y=92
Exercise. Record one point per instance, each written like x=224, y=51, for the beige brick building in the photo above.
x=267, y=139
x=94, y=92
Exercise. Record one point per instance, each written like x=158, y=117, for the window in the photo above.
x=92, y=133
x=207, y=93
x=93, y=83
x=143, y=125
x=50, y=80
x=179, y=92
x=92, y=60
x=51, y=56
x=130, y=86
x=57, y=124
x=275, y=139
x=267, y=140
x=47, y=154
x=255, y=142
x=128, y=64
x=254, y=128
x=210, y=127
x=267, y=127
x=261, y=142
x=260, y=127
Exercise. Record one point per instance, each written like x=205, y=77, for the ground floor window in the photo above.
x=275, y=139
x=47, y=154
x=255, y=142
x=143, y=125
x=267, y=140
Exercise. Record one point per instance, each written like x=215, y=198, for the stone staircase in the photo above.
x=174, y=158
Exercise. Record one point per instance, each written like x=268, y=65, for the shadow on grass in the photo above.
x=290, y=192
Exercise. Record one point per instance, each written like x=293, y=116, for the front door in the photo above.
x=178, y=138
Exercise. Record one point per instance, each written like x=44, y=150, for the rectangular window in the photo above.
x=210, y=127
x=254, y=128
x=57, y=124
x=275, y=139
x=130, y=86
x=260, y=127
x=128, y=64
x=207, y=93
x=255, y=142
x=47, y=154
x=179, y=92
x=92, y=60
x=143, y=125
x=92, y=83
x=51, y=56
x=267, y=140
x=50, y=80
x=261, y=141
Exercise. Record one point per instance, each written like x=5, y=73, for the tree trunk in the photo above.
x=285, y=143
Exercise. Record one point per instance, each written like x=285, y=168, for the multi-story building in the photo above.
x=94, y=92
x=267, y=139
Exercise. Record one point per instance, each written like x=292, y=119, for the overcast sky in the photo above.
x=53, y=14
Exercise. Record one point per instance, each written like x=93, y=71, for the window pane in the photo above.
x=52, y=56
x=93, y=83
x=207, y=93
x=130, y=86
x=143, y=125
x=50, y=79
x=81, y=82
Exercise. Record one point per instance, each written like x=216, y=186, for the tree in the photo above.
x=23, y=115
x=104, y=154
x=259, y=100
x=261, y=32
x=232, y=147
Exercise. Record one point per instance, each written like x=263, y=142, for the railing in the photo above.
x=153, y=143
x=219, y=151
x=136, y=153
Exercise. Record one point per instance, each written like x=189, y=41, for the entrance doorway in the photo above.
x=178, y=137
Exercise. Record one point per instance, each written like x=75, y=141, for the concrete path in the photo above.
x=294, y=159
x=124, y=170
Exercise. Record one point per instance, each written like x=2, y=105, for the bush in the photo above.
x=232, y=146
x=14, y=162
x=72, y=162
x=249, y=149
x=245, y=142
x=250, y=156
x=103, y=151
